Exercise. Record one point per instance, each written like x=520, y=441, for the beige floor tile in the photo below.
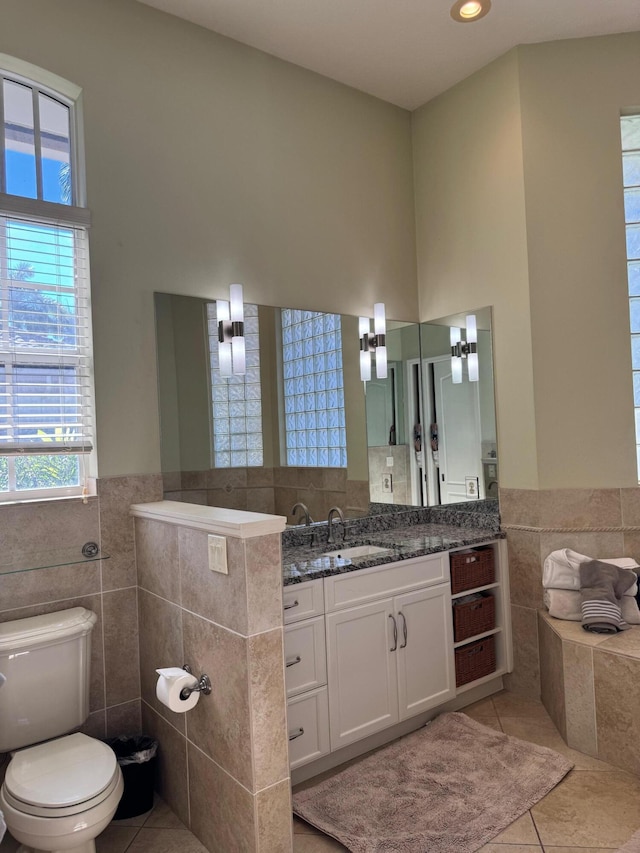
x=513, y=705
x=511, y=848
x=589, y=809
x=115, y=839
x=162, y=817
x=482, y=708
x=316, y=844
x=578, y=849
x=166, y=841
x=544, y=733
x=139, y=820
x=521, y=831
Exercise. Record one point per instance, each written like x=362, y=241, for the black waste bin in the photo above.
x=137, y=759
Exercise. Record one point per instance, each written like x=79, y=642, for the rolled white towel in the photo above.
x=566, y=604
x=561, y=569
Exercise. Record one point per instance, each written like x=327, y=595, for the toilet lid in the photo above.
x=61, y=772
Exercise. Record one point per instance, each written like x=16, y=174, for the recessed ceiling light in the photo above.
x=469, y=10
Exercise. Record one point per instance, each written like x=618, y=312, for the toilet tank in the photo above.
x=46, y=663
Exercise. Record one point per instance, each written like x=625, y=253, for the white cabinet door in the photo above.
x=362, y=675
x=426, y=671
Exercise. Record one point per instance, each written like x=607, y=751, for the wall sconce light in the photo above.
x=370, y=343
x=231, y=347
x=465, y=349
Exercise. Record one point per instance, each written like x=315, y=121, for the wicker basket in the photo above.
x=471, y=569
x=473, y=617
x=475, y=660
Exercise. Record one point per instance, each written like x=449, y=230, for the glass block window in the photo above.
x=236, y=401
x=630, y=126
x=313, y=389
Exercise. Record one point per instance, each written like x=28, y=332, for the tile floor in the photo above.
x=595, y=808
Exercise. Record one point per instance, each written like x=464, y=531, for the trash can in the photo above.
x=137, y=759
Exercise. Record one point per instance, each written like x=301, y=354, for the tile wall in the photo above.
x=223, y=765
x=107, y=587
x=597, y=522
x=271, y=490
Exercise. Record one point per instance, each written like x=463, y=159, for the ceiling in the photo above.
x=403, y=51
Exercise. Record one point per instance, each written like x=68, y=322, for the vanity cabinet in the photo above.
x=390, y=658
x=306, y=672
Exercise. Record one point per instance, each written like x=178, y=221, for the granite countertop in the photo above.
x=303, y=563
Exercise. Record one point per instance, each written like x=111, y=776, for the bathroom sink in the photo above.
x=359, y=551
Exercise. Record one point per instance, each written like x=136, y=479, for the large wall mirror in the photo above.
x=263, y=442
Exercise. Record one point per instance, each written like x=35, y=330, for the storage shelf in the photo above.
x=476, y=637
x=501, y=670
x=50, y=559
x=474, y=589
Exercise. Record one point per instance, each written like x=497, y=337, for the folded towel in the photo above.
x=561, y=568
x=567, y=604
x=601, y=588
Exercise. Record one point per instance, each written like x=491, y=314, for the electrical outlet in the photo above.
x=217, y=554
x=387, y=483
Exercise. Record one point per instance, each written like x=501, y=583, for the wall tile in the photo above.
x=157, y=558
x=234, y=498
x=274, y=819
x=220, y=724
x=121, y=660
x=124, y=719
x=630, y=503
x=580, y=507
x=160, y=626
x=220, y=598
x=525, y=568
x=95, y=725
x=49, y=525
x=285, y=497
x=264, y=583
x=25, y=589
x=520, y=506
x=116, y=525
x=617, y=709
x=172, y=776
x=194, y=496
x=194, y=480
x=631, y=547
x=592, y=544
x=222, y=811
x=261, y=500
x=259, y=477
x=268, y=704
x=577, y=661
x=335, y=479
x=552, y=689
x=525, y=678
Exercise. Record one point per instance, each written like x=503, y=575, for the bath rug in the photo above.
x=452, y=785
x=632, y=845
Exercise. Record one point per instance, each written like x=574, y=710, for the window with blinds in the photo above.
x=46, y=390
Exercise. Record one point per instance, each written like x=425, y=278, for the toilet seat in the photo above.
x=62, y=777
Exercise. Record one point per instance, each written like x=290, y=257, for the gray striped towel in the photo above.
x=601, y=589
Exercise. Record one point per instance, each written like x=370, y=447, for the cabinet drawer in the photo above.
x=308, y=727
x=304, y=654
x=366, y=585
x=302, y=600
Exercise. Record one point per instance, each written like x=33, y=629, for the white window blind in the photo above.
x=46, y=400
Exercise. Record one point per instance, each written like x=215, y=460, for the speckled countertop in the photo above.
x=417, y=533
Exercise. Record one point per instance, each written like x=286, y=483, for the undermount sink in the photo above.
x=358, y=551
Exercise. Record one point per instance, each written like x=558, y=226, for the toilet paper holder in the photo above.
x=203, y=685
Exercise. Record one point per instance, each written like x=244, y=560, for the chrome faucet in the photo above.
x=305, y=513
x=335, y=510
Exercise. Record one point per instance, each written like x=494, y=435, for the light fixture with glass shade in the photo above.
x=373, y=343
x=467, y=349
x=231, y=344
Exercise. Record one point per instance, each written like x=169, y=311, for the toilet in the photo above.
x=60, y=790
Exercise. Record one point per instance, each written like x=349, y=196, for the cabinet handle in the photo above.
x=395, y=634
x=405, y=633
x=293, y=661
x=298, y=733
x=289, y=606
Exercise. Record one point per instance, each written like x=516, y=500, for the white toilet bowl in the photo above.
x=61, y=794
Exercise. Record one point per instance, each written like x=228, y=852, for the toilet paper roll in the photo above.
x=171, y=682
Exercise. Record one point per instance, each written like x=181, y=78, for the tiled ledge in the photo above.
x=236, y=523
x=588, y=687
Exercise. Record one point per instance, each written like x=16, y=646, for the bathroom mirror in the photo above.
x=458, y=456
x=383, y=431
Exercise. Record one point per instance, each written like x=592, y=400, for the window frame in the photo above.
x=76, y=217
